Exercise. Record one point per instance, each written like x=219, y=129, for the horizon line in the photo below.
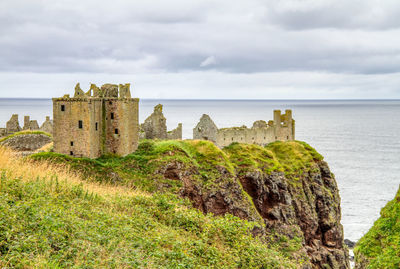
x=236, y=99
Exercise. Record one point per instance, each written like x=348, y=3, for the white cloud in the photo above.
x=208, y=61
x=182, y=39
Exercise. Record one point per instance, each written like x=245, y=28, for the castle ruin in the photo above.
x=101, y=121
x=12, y=126
x=261, y=133
x=155, y=127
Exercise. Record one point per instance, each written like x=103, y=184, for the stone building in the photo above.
x=12, y=126
x=281, y=128
x=47, y=126
x=155, y=127
x=101, y=121
x=30, y=124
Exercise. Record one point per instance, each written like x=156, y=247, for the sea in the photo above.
x=360, y=140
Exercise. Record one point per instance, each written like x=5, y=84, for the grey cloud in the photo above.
x=342, y=14
x=156, y=36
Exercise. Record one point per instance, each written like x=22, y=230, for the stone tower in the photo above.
x=101, y=121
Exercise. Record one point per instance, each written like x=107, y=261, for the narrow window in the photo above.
x=276, y=137
x=264, y=137
x=80, y=124
x=62, y=107
x=112, y=116
x=287, y=137
x=71, y=153
x=110, y=103
x=72, y=143
x=97, y=126
x=232, y=138
x=116, y=131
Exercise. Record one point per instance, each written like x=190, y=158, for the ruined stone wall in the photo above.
x=47, y=126
x=175, y=134
x=205, y=129
x=155, y=126
x=261, y=133
x=259, y=136
x=284, y=125
x=90, y=126
x=12, y=126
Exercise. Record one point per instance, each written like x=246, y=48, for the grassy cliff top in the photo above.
x=290, y=158
x=27, y=132
x=52, y=217
x=380, y=246
x=133, y=213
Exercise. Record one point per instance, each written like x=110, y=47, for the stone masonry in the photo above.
x=281, y=128
x=155, y=126
x=101, y=121
x=12, y=126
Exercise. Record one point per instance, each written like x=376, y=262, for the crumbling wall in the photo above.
x=12, y=126
x=175, y=134
x=261, y=133
x=155, y=126
x=47, y=126
x=30, y=124
x=205, y=129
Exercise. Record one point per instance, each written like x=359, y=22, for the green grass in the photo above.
x=380, y=246
x=292, y=158
x=162, y=240
x=24, y=133
x=53, y=224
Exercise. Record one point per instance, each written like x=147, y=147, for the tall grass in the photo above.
x=25, y=169
x=51, y=217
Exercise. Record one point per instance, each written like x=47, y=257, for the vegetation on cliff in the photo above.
x=176, y=204
x=380, y=246
x=27, y=132
x=51, y=217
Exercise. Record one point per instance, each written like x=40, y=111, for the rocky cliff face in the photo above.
x=285, y=189
x=290, y=189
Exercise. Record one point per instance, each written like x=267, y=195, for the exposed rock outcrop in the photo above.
x=285, y=189
x=302, y=203
x=27, y=143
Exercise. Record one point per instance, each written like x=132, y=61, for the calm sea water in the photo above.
x=359, y=139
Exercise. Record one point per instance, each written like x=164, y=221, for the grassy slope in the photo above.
x=23, y=133
x=140, y=169
x=52, y=217
x=380, y=246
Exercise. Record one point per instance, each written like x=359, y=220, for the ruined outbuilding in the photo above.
x=155, y=127
x=282, y=128
x=100, y=121
x=12, y=126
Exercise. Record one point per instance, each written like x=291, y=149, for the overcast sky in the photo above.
x=277, y=49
